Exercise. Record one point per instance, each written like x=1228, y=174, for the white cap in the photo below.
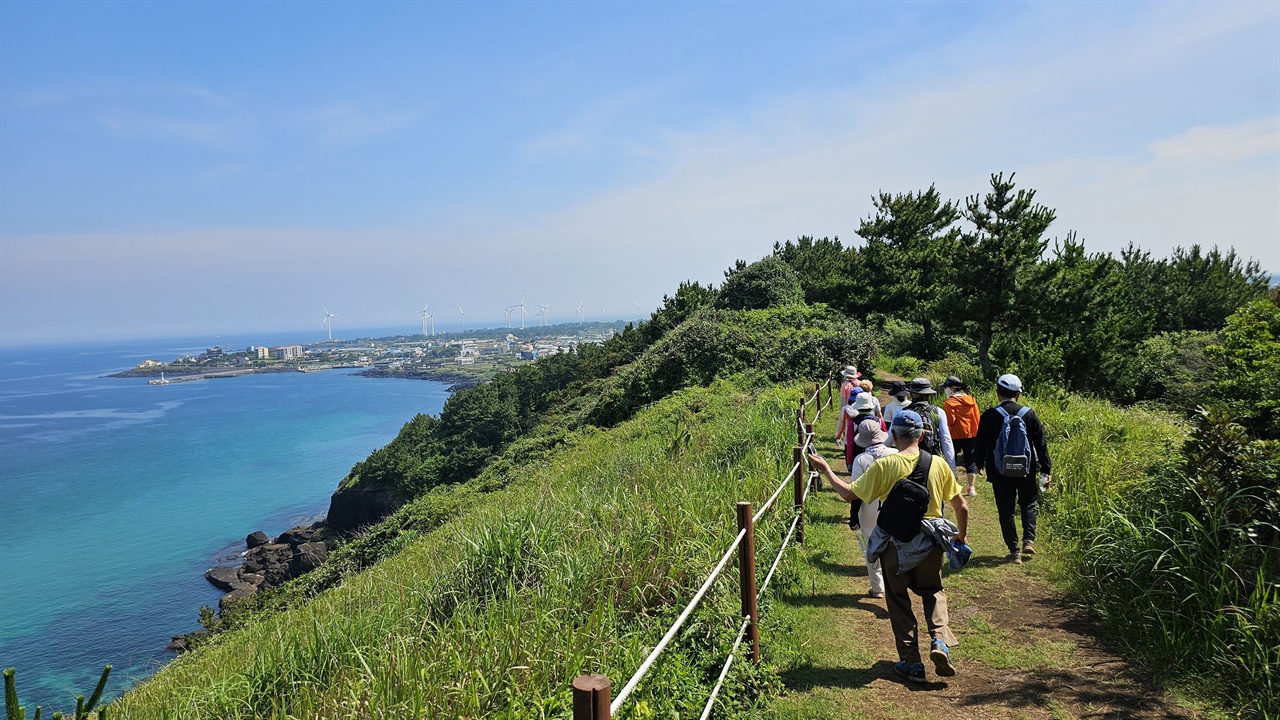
x=1010, y=382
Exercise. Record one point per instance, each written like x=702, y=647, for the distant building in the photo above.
x=262, y=353
x=466, y=360
x=289, y=352
x=149, y=363
x=213, y=352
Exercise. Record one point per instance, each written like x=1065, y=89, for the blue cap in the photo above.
x=908, y=419
x=1010, y=382
x=854, y=393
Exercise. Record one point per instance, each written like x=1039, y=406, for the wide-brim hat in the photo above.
x=952, y=381
x=870, y=434
x=921, y=386
x=849, y=371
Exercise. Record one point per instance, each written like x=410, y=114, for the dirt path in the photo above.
x=1024, y=651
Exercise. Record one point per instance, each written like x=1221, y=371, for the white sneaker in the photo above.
x=973, y=492
x=840, y=443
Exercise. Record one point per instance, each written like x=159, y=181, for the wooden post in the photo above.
x=797, y=485
x=747, y=578
x=591, y=697
x=800, y=426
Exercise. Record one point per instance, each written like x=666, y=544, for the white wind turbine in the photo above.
x=425, y=314
x=523, y=314
x=328, y=322
x=542, y=313
x=582, y=314
x=637, y=312
x=602, y=313
x=464, y=318
x=507, y=311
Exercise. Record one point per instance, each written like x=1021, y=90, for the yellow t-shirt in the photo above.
x=884, y=473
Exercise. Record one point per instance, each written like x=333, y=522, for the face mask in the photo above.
x=902, y=397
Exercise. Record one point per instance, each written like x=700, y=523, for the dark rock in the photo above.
x=222, y=577
x=319, y=524
x=251, y=578
x=271, y=562
x=296, y=536
x=352, y=508
x=179, y=644
x=237, y=594
x=257, y=539
x=309, y=557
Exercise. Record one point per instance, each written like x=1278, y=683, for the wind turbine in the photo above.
x=582, y=314
x=507, y=311
x=523, y=314
x=637, y=313
x=328, y=322
x=464, y=318
x=601, y=313
x=542, y=313
x=425, y=314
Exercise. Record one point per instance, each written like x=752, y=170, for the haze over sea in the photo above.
x=116, y=496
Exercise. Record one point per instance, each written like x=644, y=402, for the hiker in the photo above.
x=911, y=556
x=937, y=435
x=851, y=377
x=900, y=399
x=1011, y=445
x=870, y=439
x=859, y=410
x=962, y=421
x=868, y=388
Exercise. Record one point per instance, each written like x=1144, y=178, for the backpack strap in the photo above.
x=920, y=474
x=1023, y=411
x=1004, y=413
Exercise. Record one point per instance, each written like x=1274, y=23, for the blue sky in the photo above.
x=188, y=168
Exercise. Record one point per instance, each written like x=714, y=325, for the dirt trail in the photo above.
x=1025, y=651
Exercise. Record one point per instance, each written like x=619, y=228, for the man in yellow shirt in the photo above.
x=917, y=565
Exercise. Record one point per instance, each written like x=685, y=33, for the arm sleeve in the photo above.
x=948, y=447
x=1035, y=431
x=987, y=429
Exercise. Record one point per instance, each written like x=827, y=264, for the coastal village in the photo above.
x=462, y=360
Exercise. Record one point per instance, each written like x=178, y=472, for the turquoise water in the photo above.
x=116, y=496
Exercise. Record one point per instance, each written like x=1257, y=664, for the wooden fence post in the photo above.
x=747, y=578
x=800, y=425
x=801, y=478
x=808, y=429
x=591, y=697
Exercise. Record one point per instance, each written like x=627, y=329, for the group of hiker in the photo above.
x=903, y=472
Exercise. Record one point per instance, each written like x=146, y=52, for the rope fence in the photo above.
x=591, y=693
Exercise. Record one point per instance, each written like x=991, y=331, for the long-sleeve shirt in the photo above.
x=989, y=427
x=944, y=434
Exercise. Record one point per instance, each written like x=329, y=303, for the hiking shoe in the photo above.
x=941, y=657
x=876, y=594
x=1028, y=548
x=1014, y=557
x=973, y=491
x=913, y=672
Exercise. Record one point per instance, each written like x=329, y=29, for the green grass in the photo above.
x=578, y=564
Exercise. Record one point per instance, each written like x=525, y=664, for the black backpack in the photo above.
x=903, y=510
x=930, y=440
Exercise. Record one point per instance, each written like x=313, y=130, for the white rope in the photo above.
x=724, y=672
x=662, y=644
x=756, y=518
x=786, y=541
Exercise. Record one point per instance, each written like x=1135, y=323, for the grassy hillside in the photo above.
x=577, y=564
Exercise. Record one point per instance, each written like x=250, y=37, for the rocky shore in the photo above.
x=267, y=562
x=458, y=381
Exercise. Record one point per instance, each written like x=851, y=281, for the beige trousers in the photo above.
x=924, y=580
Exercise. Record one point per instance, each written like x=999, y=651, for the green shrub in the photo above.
x=1249, y=373
x=765, y=283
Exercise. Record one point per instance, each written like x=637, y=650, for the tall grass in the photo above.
x=1179, y=563
x=579, y=565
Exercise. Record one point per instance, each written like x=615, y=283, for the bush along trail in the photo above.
x=1026, y=648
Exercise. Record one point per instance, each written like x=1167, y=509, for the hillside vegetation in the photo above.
x=576, y=564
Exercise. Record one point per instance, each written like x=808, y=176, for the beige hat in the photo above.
x=869, y=433
x=849, y=371
x=864, y=401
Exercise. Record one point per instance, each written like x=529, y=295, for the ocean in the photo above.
x=116, y=496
